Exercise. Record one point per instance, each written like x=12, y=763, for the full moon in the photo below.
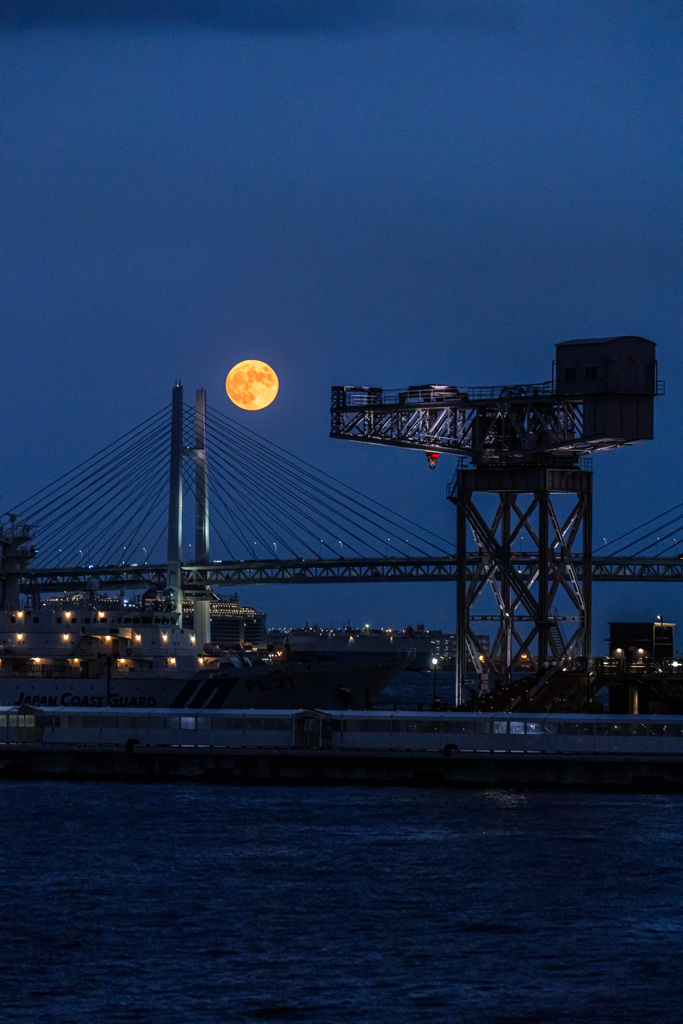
x=251, y=384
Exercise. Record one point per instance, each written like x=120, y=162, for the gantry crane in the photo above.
x=523, y=487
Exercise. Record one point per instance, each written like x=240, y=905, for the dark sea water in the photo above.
x=413, y=689
x=193, y=904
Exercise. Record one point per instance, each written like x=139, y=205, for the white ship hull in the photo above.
x=74, y=655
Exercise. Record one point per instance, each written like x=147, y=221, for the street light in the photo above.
x=435, y=662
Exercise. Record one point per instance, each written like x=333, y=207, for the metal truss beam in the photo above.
x=231, y=574
x=363, y=570
x=526, y=604
x=500, y=425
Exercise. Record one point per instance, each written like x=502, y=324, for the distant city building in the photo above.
x=232, y=623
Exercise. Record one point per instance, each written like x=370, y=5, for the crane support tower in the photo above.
x=523, y=486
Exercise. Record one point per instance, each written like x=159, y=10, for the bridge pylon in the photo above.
x=198, y=453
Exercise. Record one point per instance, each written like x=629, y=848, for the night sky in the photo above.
x=382, y=192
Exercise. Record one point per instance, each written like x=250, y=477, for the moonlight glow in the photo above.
x=251, y=384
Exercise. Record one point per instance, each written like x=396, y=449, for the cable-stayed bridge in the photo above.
x=192, y=486
x=273, y=518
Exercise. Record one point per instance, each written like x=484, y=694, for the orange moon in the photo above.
x=252, y=384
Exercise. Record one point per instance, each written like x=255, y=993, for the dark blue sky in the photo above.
x=364, y=192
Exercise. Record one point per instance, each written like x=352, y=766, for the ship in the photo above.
x=419, y=645
x=92, y=651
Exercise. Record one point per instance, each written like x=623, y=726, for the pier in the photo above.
x=599, y=752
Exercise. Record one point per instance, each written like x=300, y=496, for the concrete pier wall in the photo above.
x=500, y=770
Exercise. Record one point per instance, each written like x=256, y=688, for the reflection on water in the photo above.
x=180, y=903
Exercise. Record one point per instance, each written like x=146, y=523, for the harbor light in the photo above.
x=435, y=662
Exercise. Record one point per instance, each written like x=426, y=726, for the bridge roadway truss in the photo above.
x=365, y=570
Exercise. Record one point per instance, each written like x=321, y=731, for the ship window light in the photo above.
x=20, y=636
x=201, y=661
x=171, y=661
x=20, y=615
x=164, y=636
x=138, y=637
x=36, y=661
x=68, y=614
x=193, y=640
x=65, y=636
x=76, y=661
